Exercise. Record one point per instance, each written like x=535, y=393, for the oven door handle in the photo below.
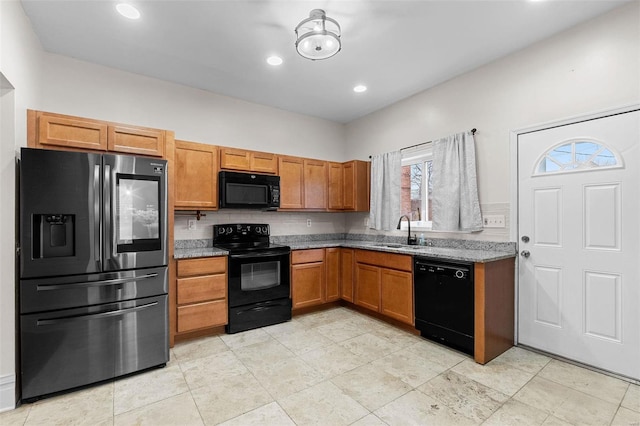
x=259, y=254
x=115, y=281
x=118, y=312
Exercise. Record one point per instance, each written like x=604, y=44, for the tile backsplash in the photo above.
x=281, y=223
x=295, y=223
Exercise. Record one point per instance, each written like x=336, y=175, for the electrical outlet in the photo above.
x=192, y=224
x=308, y=223
x=494, y=221
x=366, y=222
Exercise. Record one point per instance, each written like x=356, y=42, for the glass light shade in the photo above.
x=318, y=36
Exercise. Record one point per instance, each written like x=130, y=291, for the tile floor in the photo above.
x=339, y=367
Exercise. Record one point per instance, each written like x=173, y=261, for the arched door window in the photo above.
x=577, y=155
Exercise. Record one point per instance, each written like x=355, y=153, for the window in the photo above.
x=416, y=187
x=578, y=155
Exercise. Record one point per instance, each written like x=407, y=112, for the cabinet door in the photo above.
x=332, y=268
x=397, y=295
x=367, y=286
x=264, y=162
x=346, y=274
x=336, y=186
x=196, y=176
x=307, y=282
x=356, y=186
x=69, y=132
x=315, y=184
x=136, y=140
x=234, y=159
x=291, y=182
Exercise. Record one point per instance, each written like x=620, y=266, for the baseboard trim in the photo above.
x=7, y=392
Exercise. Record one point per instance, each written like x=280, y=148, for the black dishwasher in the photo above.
x=444, y=301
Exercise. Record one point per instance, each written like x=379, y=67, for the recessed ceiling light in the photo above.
x=360, y=88
x=127, y=10
x=274, y=60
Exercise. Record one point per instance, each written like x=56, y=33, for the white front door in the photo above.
x=579, y=239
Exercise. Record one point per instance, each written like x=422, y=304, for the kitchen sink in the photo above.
x=398, y=246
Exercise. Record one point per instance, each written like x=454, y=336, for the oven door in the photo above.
x=258, y=276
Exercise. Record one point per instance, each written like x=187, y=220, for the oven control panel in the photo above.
x=239, y=231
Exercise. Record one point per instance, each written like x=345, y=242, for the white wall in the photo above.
x=79, y=88
x=19, y=70
x=591, y=67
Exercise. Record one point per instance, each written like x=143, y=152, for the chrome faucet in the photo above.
x=412, y=241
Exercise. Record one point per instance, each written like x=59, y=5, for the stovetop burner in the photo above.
x=242, y=238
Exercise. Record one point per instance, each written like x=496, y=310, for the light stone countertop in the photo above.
x=444, y=253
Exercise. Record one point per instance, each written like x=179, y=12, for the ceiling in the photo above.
x=396, y=48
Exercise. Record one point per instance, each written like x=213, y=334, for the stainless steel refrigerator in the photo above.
x=93, y=268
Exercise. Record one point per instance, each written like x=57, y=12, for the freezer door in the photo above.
x=61, y=350
x=135, y=212
x=48, y=294
x=59, y=213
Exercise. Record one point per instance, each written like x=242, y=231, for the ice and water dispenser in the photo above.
x=53, y=235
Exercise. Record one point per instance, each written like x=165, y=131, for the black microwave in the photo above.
x=248, y=191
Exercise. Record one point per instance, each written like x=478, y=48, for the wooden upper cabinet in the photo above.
x=315, y=184
x=291, y=182
x=196, y=172
x=264, y=162
x=336, y=186
x=136, y=140
x=248, y=161
x=356, y=177
x=49, y=130
x=65, y=132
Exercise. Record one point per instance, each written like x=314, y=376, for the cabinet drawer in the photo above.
x=202, y=266
x=400, y=262
x=307, y=256
x=199, y=289
x=201, y=315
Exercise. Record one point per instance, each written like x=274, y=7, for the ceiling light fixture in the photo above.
x=360, y=88
x=318, y=36
x=128, y=11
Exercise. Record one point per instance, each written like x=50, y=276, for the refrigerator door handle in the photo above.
x=118, y=312
x=97, y=241
x=107, y=213
x=115, y=281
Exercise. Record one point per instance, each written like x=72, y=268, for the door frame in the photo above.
x=514, y=187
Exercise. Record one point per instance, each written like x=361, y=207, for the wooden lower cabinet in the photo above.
x=494, y=293
x=307, y=278
x=367, y=291
x=396, y=298
x=332, y=274
x=315, y=277
x=384, y=283
x=346, y=274
x=201, y=293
